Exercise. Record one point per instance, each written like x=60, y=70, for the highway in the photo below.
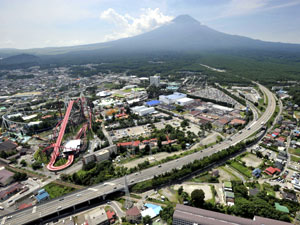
x=56, y=205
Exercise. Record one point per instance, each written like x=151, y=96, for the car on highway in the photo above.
x=61, y=199
x=59, y=207
x=9, y=217
x=78, y=195
x=1, y=208
x=159, y=165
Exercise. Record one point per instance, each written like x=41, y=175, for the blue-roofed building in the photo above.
x=256, y=172
x=153, y=103
x=42, y=196
x=151, y=210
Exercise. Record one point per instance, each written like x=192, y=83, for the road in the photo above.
x=84, y=195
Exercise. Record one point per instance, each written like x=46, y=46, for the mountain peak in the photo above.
x=185, y=19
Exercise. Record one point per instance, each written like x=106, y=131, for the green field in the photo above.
x=295, y=151
x=295, y=158
x=242, y=169
x=56, y=190
x=205, y=178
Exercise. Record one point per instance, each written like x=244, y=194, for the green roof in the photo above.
x=227, y=184
x=281, y=208
x=229, y=194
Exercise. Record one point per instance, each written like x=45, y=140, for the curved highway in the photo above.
x=41, y=210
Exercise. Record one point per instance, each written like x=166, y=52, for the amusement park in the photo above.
x=67, y=132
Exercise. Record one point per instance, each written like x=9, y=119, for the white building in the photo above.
x=155, y=81
x=184, y=101
x=143, y=110
x=103, y=94
x=72, y=145
x=171, y=99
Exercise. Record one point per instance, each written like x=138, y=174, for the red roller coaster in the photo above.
x=63, y=124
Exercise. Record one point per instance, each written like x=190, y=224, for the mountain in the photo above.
x=20, y=59
x=182, y=34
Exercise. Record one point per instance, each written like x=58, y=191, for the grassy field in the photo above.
x=56, y=190
x=295, y=151
x=295, y=158
x=242, y=169
x=205, y=178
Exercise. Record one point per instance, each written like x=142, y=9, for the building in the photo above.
x=6, y=177
x=72, y=145
x=256, y=172
x=290, y=196
x=103, y=94
x=42, y=196
x=24, y=206
x=155, y=81
x=152, y=103
x=271, y=171
x=133, y=215
x=184, y=101
x=143, y=110
x=97, y=217
x=187, y=215
x=227, y=186
x=103, y=154
x=12, y=189
x=8, y=146
x=111, y=216
x=171, y=99
x=151, y=210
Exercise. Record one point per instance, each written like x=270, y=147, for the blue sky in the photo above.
x=45, y=23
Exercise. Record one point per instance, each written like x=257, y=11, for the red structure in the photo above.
x=270, y=170
x=63, y=124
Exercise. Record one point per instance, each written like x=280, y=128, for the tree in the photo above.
x=147, y=149
x=20, y=176
x=36, y=165
x=147, y=220
x=23, y=163
x=167, y=214
x=198, y=197
x=180, y=190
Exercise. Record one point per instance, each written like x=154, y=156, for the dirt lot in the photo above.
x=210, y=139
x=225, y=176
x=189, y=188
x=252, y=160
x=170, y=194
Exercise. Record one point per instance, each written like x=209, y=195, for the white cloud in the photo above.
x=127, y=25
x=244, y=7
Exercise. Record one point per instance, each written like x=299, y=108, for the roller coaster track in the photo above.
x=55, y=152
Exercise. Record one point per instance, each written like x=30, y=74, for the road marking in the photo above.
x=34, y=209
x=93, y=189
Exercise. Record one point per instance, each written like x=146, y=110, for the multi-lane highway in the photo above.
x=56, y=205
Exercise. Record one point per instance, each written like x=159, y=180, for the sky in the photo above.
x=50, y=23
